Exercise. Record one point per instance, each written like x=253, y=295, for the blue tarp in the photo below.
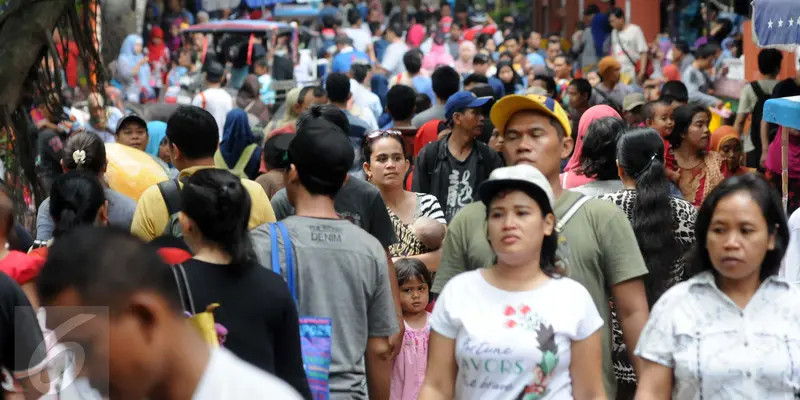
x=776, y=23
x=784, y=112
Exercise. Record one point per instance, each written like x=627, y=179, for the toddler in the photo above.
x=266, y=93
x=408, y=371
x=429, y=232
x=658, y=116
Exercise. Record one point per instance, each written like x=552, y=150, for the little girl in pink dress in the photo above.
x=408, y=371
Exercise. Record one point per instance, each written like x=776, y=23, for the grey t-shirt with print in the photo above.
x=341, y=273
x=357, y=201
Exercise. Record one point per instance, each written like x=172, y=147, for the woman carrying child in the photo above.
x=417, y=218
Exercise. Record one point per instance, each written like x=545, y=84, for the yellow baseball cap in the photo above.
x=509, y=105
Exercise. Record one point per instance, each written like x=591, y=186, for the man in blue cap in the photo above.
x=452, y=168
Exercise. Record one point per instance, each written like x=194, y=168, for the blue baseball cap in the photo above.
x=462, y=101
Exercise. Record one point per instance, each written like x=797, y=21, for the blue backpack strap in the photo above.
x=287, y=248
x=276, y=258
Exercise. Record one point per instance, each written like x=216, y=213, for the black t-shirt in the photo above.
x=257, y=309
x=358, y=201
x=21, y=349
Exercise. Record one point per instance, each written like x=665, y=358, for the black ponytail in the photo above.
x=219, y=205
x=75, y=198
x=640, y=154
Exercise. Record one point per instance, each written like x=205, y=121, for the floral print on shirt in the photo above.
x=523, y=318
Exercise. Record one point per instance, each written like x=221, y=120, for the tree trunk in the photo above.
x=23, y=35
x=119, y=20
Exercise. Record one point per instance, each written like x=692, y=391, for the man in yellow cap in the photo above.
x=595, y=238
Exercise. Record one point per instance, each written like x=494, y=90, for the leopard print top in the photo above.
x=684, y=215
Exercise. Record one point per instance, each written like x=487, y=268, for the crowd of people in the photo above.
x=455, y=211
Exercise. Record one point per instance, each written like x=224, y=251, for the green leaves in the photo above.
x=549, y=362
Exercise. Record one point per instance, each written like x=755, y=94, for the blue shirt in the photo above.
x=423, y=84
x=342, y=61
x=379, y=46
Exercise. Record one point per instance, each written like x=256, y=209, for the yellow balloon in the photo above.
x=130, y=171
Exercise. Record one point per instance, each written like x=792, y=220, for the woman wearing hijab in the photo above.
x=157, y=145
x=438, y=55
x=572, y=176
x=238, y=152
x=158, y=54
x=133, y=71
x=512, y=82
x=466, y=51
x=727, y=143
x=158, y=148
x=248, y=99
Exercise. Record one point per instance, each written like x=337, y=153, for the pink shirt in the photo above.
x=408, y=371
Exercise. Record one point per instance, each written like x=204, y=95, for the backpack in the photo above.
x=757, y=116
x=241, y=163
x=315, y=332
x=171, y=192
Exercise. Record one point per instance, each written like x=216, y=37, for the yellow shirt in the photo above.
x=151, y=217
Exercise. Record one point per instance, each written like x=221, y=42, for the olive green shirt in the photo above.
x=600, y=247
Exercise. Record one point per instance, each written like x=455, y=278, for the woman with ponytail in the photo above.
x=76, y=199
x=647, y=202
x=255, y=305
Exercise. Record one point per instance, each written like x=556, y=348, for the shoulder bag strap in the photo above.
x=178, y=283
x=275, y=255
x=171, y=192
x=185, y=279
x=619, y=41
x=244, y=158
x=289, y=254
x=759, y=92
x=183, y=288
x=562, y=222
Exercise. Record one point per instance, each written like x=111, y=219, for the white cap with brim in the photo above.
x=522, y=177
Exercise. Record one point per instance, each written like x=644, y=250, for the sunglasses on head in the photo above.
x=382, y=134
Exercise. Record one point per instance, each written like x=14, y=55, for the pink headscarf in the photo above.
x=436, y=57
x=465, y=48
x=415, y=35
x=570, y=178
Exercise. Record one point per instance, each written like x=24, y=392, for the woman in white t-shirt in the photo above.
x=517, y=330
